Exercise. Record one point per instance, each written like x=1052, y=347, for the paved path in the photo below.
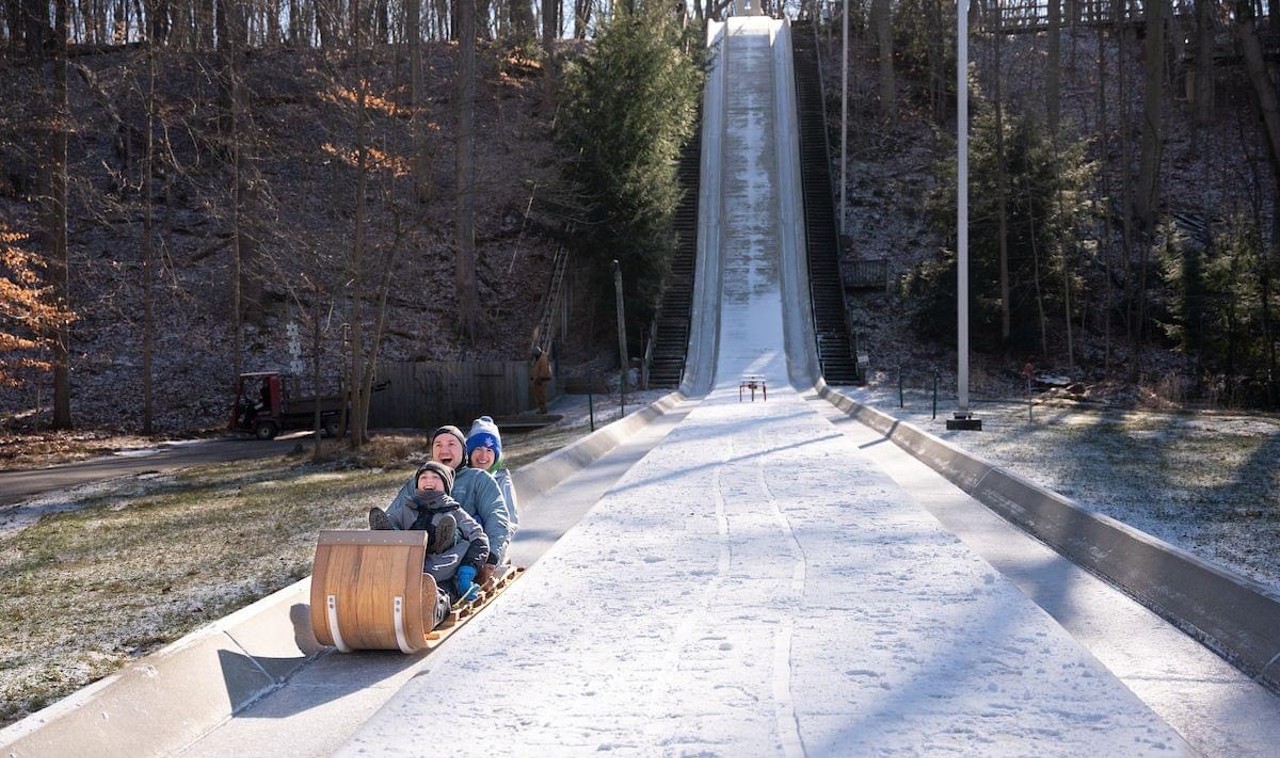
x=21, y=490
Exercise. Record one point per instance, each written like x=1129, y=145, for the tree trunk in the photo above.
x=939, y=78
x=316, y=292
x=1053, y=66
x=358, y=422
x=465, y=268
x=883, y=16
x=1148, y=184
x=1066, y=307
x=551, y=15
x=1041, y=315
x=1105, y=246
x=417, y=93
x=1152, y=126
x=581, y=18
x=550, y=24
x=1203, y=73
x=1066, y=269
x=30, y=26
x=326, y=23
x=1131, y=293
x=148, y=248
x=1002, y=189
x=1260, y=78
x=204, y=24
x=523, y=27
x=234, y=135
x=56, y=220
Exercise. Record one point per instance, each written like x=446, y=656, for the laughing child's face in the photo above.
x=430, y=481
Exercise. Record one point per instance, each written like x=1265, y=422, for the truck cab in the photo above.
x=264, y=408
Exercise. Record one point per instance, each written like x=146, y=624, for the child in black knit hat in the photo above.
x=451, y=563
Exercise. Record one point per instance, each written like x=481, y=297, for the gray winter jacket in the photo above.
x=503, y=477
x=423, y=511
x=479, y=495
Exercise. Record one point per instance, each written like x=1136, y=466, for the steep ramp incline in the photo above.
x=755, y=585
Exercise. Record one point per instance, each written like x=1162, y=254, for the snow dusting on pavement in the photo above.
x=755, y=586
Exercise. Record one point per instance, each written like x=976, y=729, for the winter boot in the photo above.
x=378, y=520
x=444, y=534
x=443, y=606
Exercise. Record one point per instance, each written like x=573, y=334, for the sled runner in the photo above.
x=368, y=592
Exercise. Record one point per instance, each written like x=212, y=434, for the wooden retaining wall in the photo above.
x=428, y=394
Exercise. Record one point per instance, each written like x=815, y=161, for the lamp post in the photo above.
x=622, y=338
x=963, y=418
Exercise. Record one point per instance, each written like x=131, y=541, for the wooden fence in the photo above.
x=429, y=394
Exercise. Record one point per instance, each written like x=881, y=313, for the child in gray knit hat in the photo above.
x=430, y=508
x=476, y=491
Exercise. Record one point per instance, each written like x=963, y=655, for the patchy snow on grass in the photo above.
x=18, y=516
x=1206, y=483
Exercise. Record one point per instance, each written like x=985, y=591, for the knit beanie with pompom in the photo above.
x=484, y=433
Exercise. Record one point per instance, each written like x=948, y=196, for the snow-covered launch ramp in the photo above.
x=755, y=585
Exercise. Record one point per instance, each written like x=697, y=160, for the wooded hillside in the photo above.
x=248, y=192
x=275, y=203
x=1122, y=196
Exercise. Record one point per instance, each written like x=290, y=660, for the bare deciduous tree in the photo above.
x=882, y=14
x=148, y=245
x=1152, y=118
x=359, y=403
x=29, y=319
x=55, y=222
x=465, y=243
x=1053, y=66
x=421, y=161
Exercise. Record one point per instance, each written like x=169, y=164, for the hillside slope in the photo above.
x=299, y=165
x=302, y=184
x=1214, y=178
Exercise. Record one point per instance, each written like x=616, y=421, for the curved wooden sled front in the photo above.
x=368, y=592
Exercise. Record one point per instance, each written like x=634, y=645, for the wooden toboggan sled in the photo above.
x=368, y=592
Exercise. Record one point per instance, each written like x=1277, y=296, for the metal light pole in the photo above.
x=622, y=338
x=844, y=117
x=963, y=418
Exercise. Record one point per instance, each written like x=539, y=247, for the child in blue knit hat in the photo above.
x=484, y=451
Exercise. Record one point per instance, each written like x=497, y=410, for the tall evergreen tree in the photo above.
x=1044, y=204
x=630, y=106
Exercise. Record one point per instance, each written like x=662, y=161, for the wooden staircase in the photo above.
x=671, y=332
x=836, y=351
x=551, y=302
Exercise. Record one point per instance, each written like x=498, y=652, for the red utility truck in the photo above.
x=263, y=407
